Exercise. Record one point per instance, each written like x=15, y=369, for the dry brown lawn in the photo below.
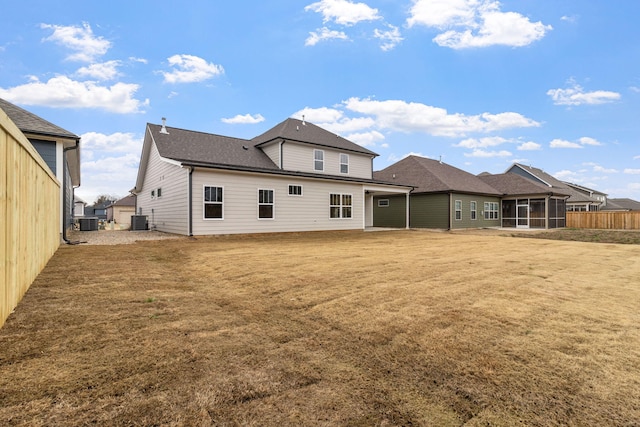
x=356, y=329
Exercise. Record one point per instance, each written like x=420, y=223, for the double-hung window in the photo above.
x=318, y=160
x=491, y=210
x=213, y=203
x=265, y=204
x=340, y=205
x=344, y=163
x=458, y=208
x=474, y=210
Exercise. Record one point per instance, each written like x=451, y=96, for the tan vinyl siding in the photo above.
x=273, y=151
x=393, y=215
x=429, y=211
x=309, y=212
x=168, y=213
x=299, y=157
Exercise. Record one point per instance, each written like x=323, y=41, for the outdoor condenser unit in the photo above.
x=138, y=222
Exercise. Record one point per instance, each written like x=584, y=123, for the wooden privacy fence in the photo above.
x=29, y=215
x=604, y=220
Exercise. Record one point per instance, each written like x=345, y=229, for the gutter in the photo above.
x=64, y=189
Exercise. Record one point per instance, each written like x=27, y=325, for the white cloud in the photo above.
x=410, y=117
x=62, y=92
x=575, y=95
x=101, y=71
x=529, y=146
x=140, y=60
x=119, y=142
x=585, y=140
x=366, y=139
x=389, y=39
x=636, y=157
x=109, y=164
x=561, y=143
x=344, y=12
x=475, y=23
x=488, y=154
x=318, y=115
x=632, y=171
x=81, y=40
x=324, y=34
x=490, y=141
x=567, y=175
x=571, y=19
x=190, y=69
x=244, y=119
x=600, y=169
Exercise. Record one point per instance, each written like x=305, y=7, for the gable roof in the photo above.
x=622, y=204
x=190, y=146
x=129, y=200
x=432, y=176
x=301, y=131
x=28, y=122
x=511, y=184
x=540, y=175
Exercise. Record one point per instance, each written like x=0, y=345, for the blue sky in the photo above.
x=478, y=83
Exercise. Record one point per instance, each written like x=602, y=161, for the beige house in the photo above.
x=294, y=177
x=121, y=210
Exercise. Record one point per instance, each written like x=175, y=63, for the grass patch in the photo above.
x=360, y=329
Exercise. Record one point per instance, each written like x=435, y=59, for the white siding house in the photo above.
x=195, y=183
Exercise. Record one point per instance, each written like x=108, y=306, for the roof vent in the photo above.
x=164, y=127
x=303, y=123
x=244, y=147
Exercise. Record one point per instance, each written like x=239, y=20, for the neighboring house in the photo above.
x=577, y=201
x=622, y=205
x=594, y=194
x=294, y=177
x=528, y=204
x=98, y=210
x=443, y=197
x=59, y=148
x=120, y=211
x=78, y=207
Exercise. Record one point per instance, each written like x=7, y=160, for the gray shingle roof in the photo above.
x=511, y=184
x=622, y=204
x=199, y=147
x=28, y=122
x=298, y=130
x=432, y=176
x=574, y=195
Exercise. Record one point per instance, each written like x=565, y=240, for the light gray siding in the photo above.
x=299, y=157
x=273, y=151
x=168, y=213
x=309, y=212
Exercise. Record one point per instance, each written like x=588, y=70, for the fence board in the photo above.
x=29, y=215
x=604, y=220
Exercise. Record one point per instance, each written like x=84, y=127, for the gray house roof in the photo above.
x=511, y=184
x=28, y=122
x=544, y=178
x=432, y=176
x=301, y=131
x=129, y=200
x=189, y=146
x=622, y=205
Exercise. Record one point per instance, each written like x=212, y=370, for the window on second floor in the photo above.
x=344, y=163
x=318, y=160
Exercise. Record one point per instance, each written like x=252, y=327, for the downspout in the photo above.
x=450, y=214
x=64, y=189
x=190, y=202
x=281, y=160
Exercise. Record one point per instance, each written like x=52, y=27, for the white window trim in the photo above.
x=385, y=205
x=456, y=210
x=204, y=218
x=341, y=206
x=272, y=204
x=318, y=160
x=473, y=212
x=342, y=163
x=295, y=195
